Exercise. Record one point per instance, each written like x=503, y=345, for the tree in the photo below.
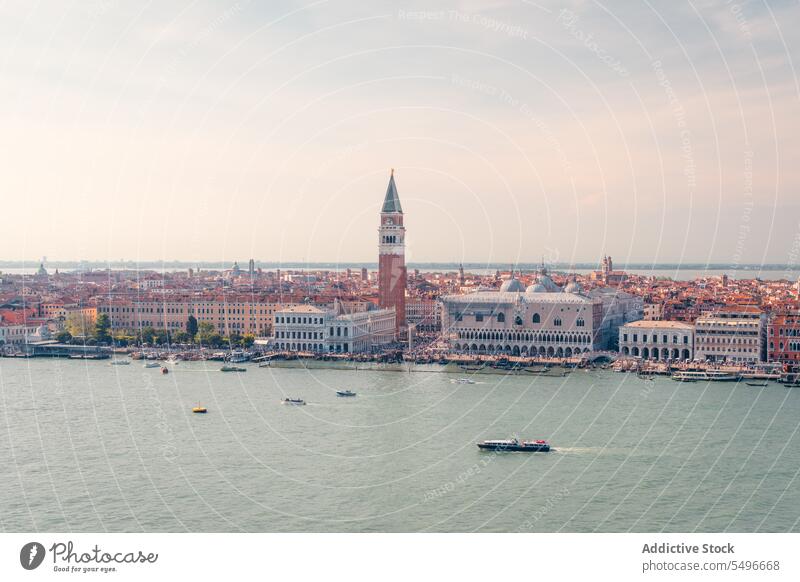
x=64, y=337
x=248, y=340
x=148, y=336
x=204, y=332
x=101, y=329
x=191, y=326
x=181, y=337
x=78, y=324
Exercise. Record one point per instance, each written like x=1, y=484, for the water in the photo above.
x=86, y=446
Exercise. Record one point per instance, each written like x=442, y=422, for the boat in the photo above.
x=705, y=375
x=237, y=357
x=538, y=446
x=152, y=365
x=232, y=369
x=294, y=401
x=345, y=393
x=684, y=377
x=120, y=362
x=462, y=381
x=199, y=409
x=759, y=384
x=164, y=370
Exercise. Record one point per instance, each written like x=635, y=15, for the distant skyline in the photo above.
x=201, y=131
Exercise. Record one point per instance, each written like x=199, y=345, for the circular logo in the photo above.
x=31, y=555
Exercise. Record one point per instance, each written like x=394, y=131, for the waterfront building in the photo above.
x=657, y=340
x=16, y=333
x=308, y=328
x=783, y=338
x=423, y=314
x=236, y=315
x=391, y=256
x=619, y=308
x=542, y=320
x=733, y=333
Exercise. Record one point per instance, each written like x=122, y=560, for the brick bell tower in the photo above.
x=392, y=256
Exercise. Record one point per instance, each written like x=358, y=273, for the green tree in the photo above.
x=181, y=337
x=101, y=329
x=248, y=340
x=148, y=335
x=191, y=326
x=64, y=337
x=205, y=331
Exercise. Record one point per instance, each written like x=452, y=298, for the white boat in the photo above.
x=462, y=381
x=238, y=357
x=120, y=362
x=152, y=365
x=705, y=376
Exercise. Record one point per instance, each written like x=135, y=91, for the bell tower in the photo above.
x=391, y=256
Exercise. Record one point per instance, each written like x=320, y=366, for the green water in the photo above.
x=85, y=446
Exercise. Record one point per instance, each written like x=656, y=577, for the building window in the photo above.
x=581, y=323
x=557, y=322
x=518, y=320
x=536, y=318
x=479, y=317
x=501, y=317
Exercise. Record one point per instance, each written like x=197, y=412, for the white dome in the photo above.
x=512, y=285
x=573, y=287
x=536, y=288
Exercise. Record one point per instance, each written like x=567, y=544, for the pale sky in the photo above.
x=199, y=130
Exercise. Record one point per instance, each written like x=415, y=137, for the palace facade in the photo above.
x=542, y=320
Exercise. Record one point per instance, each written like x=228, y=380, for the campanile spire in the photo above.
x=391, y=255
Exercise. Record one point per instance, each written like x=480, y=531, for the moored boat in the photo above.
x=232, y=369
x=705, y=375
x=537, y=446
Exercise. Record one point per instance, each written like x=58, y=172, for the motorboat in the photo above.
x=757, y=384
x=164, y=370
x=199, y=409
x=120, y=362
x=462, y=381
x=238, y=357
x=232, y=369
x=537, y=446
x=345, y=393
x=152, y=365
x=294, y=401
x=705, y=375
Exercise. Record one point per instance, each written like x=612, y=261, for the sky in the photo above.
x=212, y=131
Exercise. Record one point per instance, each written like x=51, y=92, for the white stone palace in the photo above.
x=542, y=320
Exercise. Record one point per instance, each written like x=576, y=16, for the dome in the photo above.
x=512, y=285
x=536, y=288
x=573, y=287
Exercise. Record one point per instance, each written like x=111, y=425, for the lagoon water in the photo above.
x=85, y=446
